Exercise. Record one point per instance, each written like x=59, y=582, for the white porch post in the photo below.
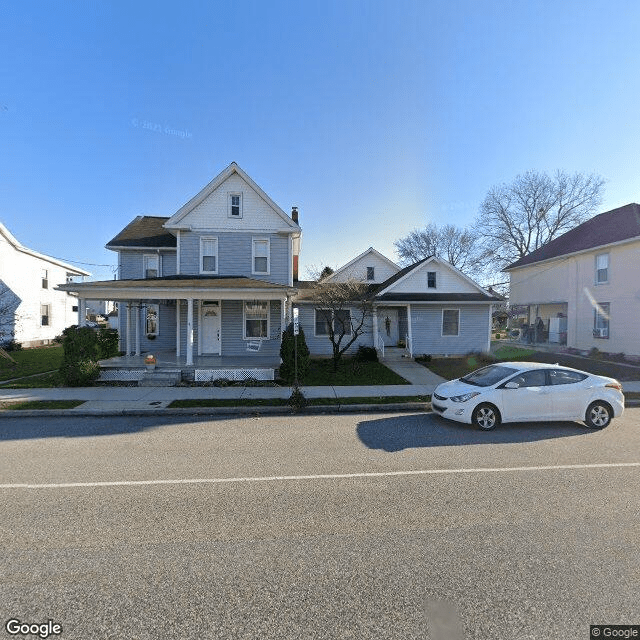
x=283, y=322
x=177, y=328
x=375, y=328
x=128, y=329
x=189, y=331
x=137, y=318
x=82, y=311
x=409, y=332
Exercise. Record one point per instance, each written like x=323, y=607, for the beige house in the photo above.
x=582, y=289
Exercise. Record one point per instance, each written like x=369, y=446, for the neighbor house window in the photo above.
x=151, y=265
x=431, y=279
x=256, y=319
x=208, y=255
x=602, y=268
x=341, y=319
x=45, y=315
x=371, y=273
x=45, y=278
x=260, y=256
x=450, y=322
x=601, y=320
x=74, y=308
x=151, y=321
x=235, y=205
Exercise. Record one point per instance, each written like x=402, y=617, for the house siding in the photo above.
x=447, y=281
x=358, y=270
x=131, y=264
x=426, y=328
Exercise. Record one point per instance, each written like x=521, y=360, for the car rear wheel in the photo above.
x=486, y=417
x=598, y=415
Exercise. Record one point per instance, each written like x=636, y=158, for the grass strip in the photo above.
x=283, y=402
x=42, y=404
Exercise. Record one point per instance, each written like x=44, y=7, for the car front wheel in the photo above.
x=598, y=415
x=485, y=417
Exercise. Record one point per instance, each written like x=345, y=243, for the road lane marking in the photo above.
x=324, y=476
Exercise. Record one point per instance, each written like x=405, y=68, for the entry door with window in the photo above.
x=388, y=327
x=210, y=328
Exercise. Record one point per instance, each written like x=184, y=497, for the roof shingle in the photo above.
x=144, y=231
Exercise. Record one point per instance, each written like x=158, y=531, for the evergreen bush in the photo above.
x=80, y=360
x=108, y=343
x=287, y=353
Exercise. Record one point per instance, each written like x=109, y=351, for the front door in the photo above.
x=388, y=326
x=210, y=328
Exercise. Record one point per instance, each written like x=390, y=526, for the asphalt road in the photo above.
x=336, y=526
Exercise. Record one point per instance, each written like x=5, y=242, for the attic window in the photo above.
x=370, y=273
x=431, y=279
x=235, y=205
x=45, y=278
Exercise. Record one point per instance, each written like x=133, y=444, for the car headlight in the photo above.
x=465, y=397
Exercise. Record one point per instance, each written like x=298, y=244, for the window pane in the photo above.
x=431, y=279
x=322, y=322
x=450, y=319
x=370, y=273
x=342, y=322
x=531, y=379
x=208, y=263
x=260, y=265
x=256, y=316
x=559, y=376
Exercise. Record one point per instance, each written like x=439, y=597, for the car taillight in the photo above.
x=614, y=385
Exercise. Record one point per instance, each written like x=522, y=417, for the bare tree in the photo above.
x=457, y=246
x=518, y=218
x=343, y=308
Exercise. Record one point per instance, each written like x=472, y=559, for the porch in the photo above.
x=539, y=324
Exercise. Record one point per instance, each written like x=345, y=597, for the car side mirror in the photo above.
x=512, y=385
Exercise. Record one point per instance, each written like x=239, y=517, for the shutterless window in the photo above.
x=151, y=324
x=209, y=255
x=370, y=273
x=45, y=278
x=256, y=319
x=601, y=315
x=45, y=315
x=261, y=256
x=602, y=268
x=323, y=318
x=151, y=266
x=450, y=322
x=235, y=205
x=431, y=279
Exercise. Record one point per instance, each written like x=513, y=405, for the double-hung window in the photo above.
x=340, y=320
x=151, y=322
x=256, y=319
x=208, y=255
x=602, y=268
x=601, y=316
x=45, y=278
x=431, y=279
x=235, y=205
x=260, y=256
x=451, y=322
x=151, y=265
x=45, y=315
x=371, y=273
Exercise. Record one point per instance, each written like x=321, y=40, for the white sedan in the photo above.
x=529, y=391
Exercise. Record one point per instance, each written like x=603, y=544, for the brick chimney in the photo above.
x=294, y=214
x=296, y=246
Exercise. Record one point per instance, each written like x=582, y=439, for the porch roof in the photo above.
x=180, y=287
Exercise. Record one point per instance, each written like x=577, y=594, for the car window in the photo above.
x=488, y=376
x=535, y=378
x=562, y=376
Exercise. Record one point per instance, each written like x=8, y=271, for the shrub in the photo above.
x=80, y=360
x=297, y=400
x=287, y=353
x=595, y=353
x=498, y=336
x=11, y=345
x=80, y=373
x=425, y=357
x=108, y=343
x=366, y=354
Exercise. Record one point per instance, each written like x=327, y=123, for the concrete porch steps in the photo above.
x=160, y=378
x=394, y=354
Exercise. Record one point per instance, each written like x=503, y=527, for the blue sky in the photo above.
x=374, y=118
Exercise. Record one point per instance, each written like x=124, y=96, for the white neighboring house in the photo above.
x=32, y=312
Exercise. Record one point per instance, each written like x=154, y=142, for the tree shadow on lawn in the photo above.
x=428, y=430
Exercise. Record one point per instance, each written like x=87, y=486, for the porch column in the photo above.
x=189, y=331
x=283, y=321
x=177, y=328
x=409, y=332
x=375, y=327
x=82, y=311
x=137, y=318
x=128, y=329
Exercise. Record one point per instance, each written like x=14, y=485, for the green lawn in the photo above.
x=39, y=381
x=282, y=402
x=349, y=372
x=30, y=361
x=42, y=404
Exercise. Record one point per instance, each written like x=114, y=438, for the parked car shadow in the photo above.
x=428, y=430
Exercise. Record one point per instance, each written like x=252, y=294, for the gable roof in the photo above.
x=12, y=240
x=370, y=250
x=174, y=221
x=144, y=231
x=606, y=228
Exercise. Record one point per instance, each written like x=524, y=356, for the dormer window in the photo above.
x=371, y=273
x=431, y=279
x=235, y=205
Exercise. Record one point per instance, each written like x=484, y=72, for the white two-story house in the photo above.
x=32, y=311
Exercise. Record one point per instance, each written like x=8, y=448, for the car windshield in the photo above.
x=488, y=376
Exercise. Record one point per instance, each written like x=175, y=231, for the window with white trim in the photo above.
x=260, y=256
x=235, y=205
x=451, y=322
x=208, y=255
x=371, y=273
x=602, y=268
x=340, y=319
x=151, y=265
x=601, y=317
x=431, y=279
x=256, y=319
x=152, y=324
x=45, y=315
